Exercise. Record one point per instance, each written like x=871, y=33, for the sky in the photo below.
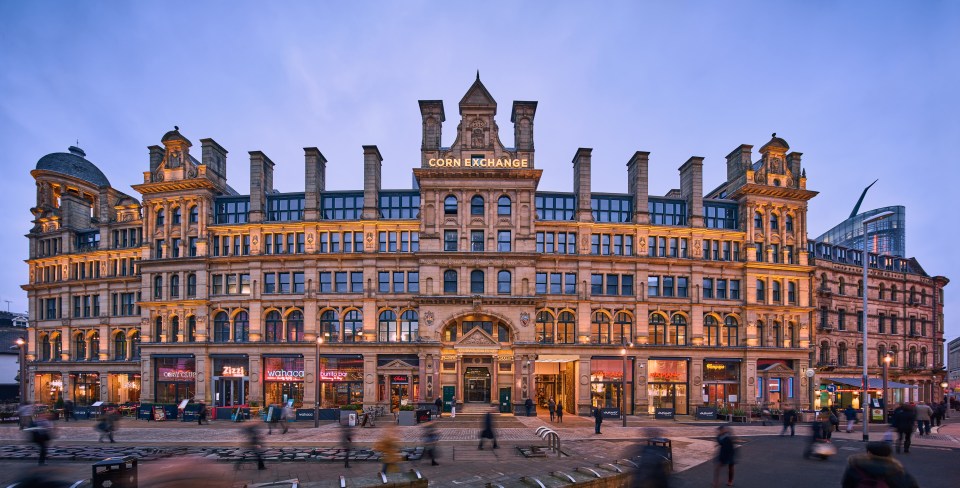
x=864, y=89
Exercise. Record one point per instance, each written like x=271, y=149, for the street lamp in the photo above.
x=623, y=381
x=865, y=396
x=317, y=386
x=943, y=387
x=886, y=400
x=21, y=345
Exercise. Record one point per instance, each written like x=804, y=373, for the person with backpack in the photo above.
x=876, y=468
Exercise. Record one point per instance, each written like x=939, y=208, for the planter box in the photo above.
x=407, y=418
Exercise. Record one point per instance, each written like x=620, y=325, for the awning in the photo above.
x=873, y=383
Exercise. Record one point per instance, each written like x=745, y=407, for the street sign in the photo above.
x=832, y=388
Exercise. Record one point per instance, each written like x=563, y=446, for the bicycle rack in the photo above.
x=529, y=479
x=563, y=476
x=627, y=462
x=416, y=473
x=589, y=470
x=612, y=467
x=383, y=477
x=343, y=482
x=494, y=485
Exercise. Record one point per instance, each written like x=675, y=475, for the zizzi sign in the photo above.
x=478, y=163
x=284, y=375
x=233, y=371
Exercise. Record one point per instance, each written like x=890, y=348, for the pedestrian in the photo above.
x=597, y=420
x=253, y=444
x=923, y=418
x=826, y=417
x=835, y=418
x=202, y=415
x=105, y=427
x=851, y=414
x=820, y=430
x=346, y=442
x=488, y=431
x=789, y=421
x=653, y=463
x=390, y=454
x=41, y=432
x=903, y=420
x=552, y=408
x=726, y=456
x=68, y=411
x=430, y=439
x=25, y=414
x=439, y=404
x=876, y=468
x=935, y=419
x=286, y=416
x=529, y=406
x=560, y=413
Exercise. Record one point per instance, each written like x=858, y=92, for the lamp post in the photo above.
x=943, y=388
x=886, y=400
x=623, y=382
x=865, y=396
x=21, y=345
x=316, y=408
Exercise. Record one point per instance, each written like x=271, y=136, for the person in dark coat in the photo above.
x=560, y=413
x=202, y=414
x=41, y=431
x=726, y=456
x=529, y=406
x=851, y=414
x=430, y=440
x=789, y=422
x=346, y=442
x=904, y=418
x=876, y=466
x=68, y=411
x=488, y=431
x=820, y=429
x=597, y=419
x=439, y=404
x=253, y=444
x=552, y=408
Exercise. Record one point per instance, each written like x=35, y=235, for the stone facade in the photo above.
x=473, y=287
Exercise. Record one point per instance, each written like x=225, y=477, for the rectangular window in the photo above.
x=652, y=247
x=541, y=284
x=392, y=241
x=667, y=212
x=398, y=281
x=734, y=289
x=334, y=242
x=232, y=287
x=269, y=283
x=503, y=241
x=626, y=285
x=613, y=284
x=413, y=282
x=668, y=286
x=324, y=242
x=596, y=284
x=193, y=247
x=383, y=281
x=726, y=250
x=340, y=281
x=449, y=240
x=674, y=247
x=570, y=283
x=245, y=284
x=268, y=243
x=653, y=286
x=476, y=241
x=356, y=282
x=721, y=289
x=326, y=282
x=708, y=288
x=298, y=283
x=662, y=246
x=283, y=284
x=706, y=248
x=555, y=283
x=682, y=287
x=217, y=285
x=595, y=244
x=605, y=244
x=541, y=242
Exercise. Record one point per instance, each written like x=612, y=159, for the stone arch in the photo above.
x=289, y=310
x=456, y=316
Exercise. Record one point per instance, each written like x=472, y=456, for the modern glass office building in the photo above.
x=887, y=236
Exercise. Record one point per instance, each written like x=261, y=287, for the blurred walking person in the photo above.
x=597, y=420
x=41, y=432
x=529, y=406
x=789, y=422
x=430, y=439
x=876, y=468
x=924, y=412
x=903, y=420
x=253, y=444
x=25, y=414
x=390, y=452
x=439, y=404
x=202, y=414
x=851, y=414
x=346, y=442
x=653, y=462
x=726, y=456
x=286, y=416
x=488, y=431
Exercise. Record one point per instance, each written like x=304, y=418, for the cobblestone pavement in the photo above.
x=461, y=464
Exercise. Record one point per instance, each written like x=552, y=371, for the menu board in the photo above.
x=159, y=414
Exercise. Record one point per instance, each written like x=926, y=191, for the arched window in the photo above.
x=923, y=357
x=45, y=348
x=841, y=286
x=476, y=281
x=135, y=344
x=774, y=222
x=450, y=281
x=295, y=326
x=881, y=352
x=194, y=214
x=176, y=215
x=712, y=330
x=791, y=334
x=658, y=329
x=824, y=353
x=544, y=328
x=775, y=291
x=504, y=206
x=893, y=293
x=788, y=222
x=731, y=331
x=241, y=327
x=353, y=326
x=824, y=285
x=860, y=288
x=476, y=205
x=119, y=347
x=160, y=218
x=912, y=357
x=883, y=291
x=761, y=292
x=777, y=334
x=923, y=297
x=792, y=293
x=894, y=355
x=503, y=282
x=761, y=338
x=622, y=328
x=678, y=330
x=191, y=329
x=174, y=328
x=191, y=285
x=450, y=205
x=600, y=328
x=409, y=326
x=221, y=327
x=387, y=332
x=79, y=348
x=273, y=327
x=859, y=354
x=175, y=286
x=758, y=221
x=157, y=287
x=95, y=346
x=842, y=354
x=158, y=329
x=330, y=326
x=566, y=328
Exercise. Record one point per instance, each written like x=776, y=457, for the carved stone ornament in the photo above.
x=696, y=247
x=309, y=238
x=477, y=339
x=696, y=380
x=428, y=318
x=584, y=380
x=368, y=379
x=370, y=238
x=255, y=240
x=524, y=318
x=750, y=381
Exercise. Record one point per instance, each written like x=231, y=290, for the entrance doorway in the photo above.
x=476, y=385
x=229, y=391
x=668, y=395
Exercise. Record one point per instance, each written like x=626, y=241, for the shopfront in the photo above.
x=283, y=380
x=721, y=383
x=341, y=381
x=48, y=388
x=86, y=388
x=555, y=379
x=398, y=379
x=176, y=378
x=607, y=384
x=776, y=384
x=667, y=385
x=123, y=387
x=231, y=380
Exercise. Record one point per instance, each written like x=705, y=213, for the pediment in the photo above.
x=398, y=364
x=478, y=95
x=776, y=368
x=478, y=338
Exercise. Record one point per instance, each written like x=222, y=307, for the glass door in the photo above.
x=230, y=391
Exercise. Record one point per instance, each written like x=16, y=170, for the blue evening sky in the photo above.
x=864, y=89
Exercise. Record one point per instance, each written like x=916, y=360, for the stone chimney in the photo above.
x=691, y=190
x=214, y=157
x=156, y=157
x=638, y=185
x=261, y=183
x=738, y=162
x=316, y=181
x=522, y=117
x=793, y=163
x=372, y=165
x=433, y=116
x=581, y=184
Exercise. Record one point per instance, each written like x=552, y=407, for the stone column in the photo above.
x=494, y=383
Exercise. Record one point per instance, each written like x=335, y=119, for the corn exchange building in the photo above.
x=473, y=286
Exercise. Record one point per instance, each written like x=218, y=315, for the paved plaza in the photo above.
x=312, y=456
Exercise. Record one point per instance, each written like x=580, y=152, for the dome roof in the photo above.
x=73, y=164
x=776, y=142
x=174, y=135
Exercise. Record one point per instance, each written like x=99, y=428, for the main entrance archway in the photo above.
x=477, y=365
x=476, y=385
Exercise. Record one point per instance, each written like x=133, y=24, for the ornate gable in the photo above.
x=477, y=338
x=398, y=364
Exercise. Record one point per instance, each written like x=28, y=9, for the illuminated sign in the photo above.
x=716, y=367
x=178, y=374
x=478, y=163
x=284, y=375
x=56, y=384
x=397, y=378
x=233, y=371
x=332, y=375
